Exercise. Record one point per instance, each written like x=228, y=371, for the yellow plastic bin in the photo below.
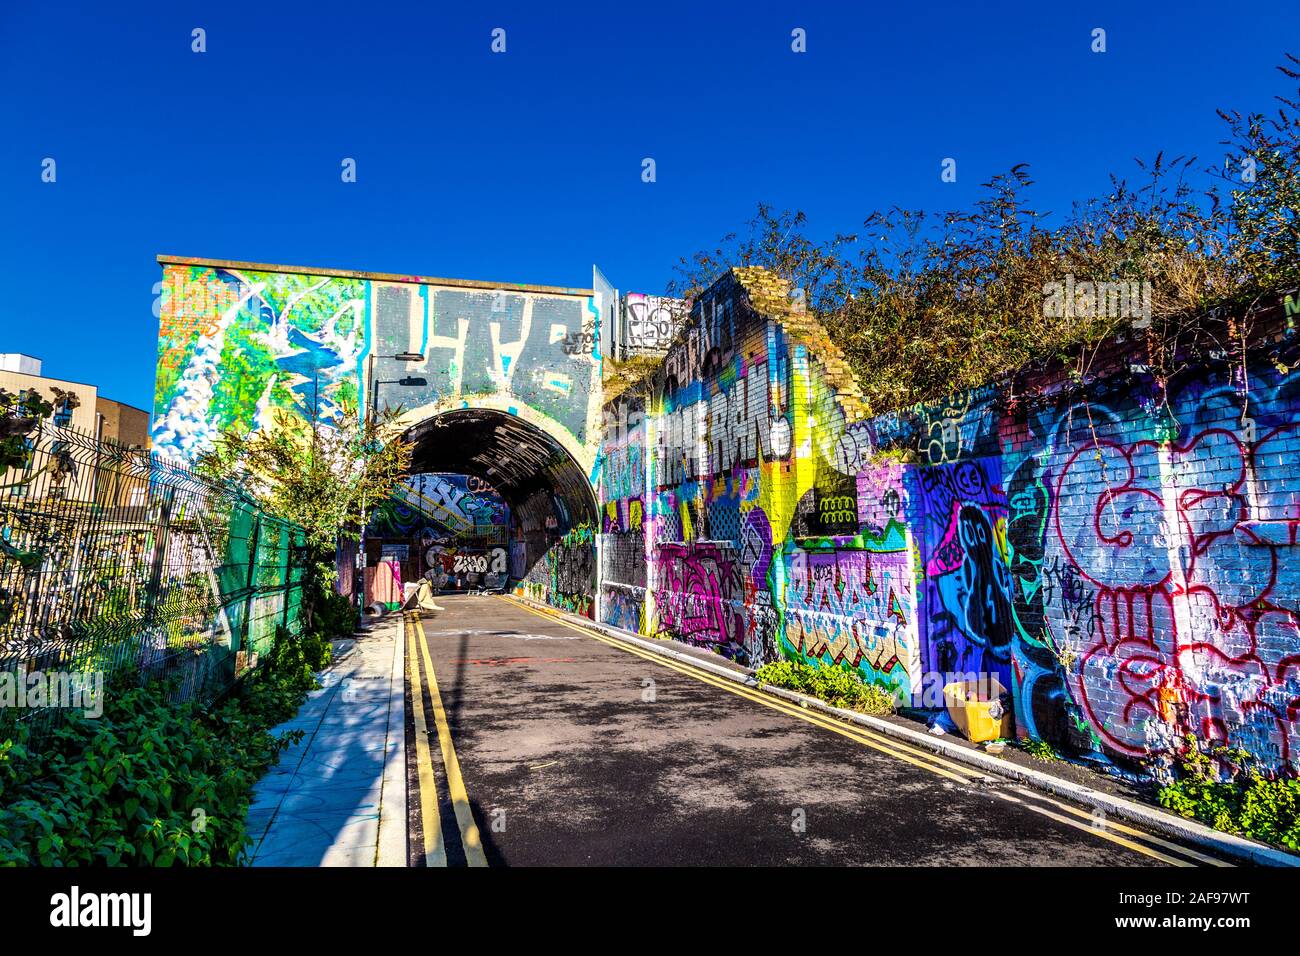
x=975, y=708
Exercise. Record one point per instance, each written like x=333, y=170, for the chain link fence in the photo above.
x=118, y=563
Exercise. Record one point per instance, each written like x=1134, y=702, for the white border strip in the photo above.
x=393, y=825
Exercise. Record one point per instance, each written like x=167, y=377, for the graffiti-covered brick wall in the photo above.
x=237, y=342
x=731, y=518
x=451, y=529
x=565, y=577
x=1122, y=553
x=1155, y=532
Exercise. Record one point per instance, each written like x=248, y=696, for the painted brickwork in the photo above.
x=235, y=344
x=239, y=343
x=731, y=519
x=1124, y=558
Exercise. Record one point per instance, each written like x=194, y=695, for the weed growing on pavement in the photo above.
x=838, y=686
x=1038, y=749
x=1247, y=802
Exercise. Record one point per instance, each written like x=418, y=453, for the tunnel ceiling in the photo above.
x=516, y=458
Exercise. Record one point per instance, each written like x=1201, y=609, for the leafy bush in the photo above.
x=838, y=686
x=150, y=782
x=335, y=614
x=928, y=305
x=298, y=657
x=19, y=416
x=317, y=478
x=1248, y=803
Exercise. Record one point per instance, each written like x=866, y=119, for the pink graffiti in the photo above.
x=1192, y=598
x=697, y=594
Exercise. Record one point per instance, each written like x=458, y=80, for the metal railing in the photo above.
x=118, y=562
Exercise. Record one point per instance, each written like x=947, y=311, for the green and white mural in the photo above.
x=238, y=342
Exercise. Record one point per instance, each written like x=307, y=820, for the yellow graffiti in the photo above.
x=784, y=483
x=1000, y=539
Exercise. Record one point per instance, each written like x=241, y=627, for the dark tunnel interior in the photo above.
x=553, y=511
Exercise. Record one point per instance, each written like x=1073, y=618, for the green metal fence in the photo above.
x=118, y=563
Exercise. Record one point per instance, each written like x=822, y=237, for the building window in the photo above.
x=18, y=488
x=63, y=414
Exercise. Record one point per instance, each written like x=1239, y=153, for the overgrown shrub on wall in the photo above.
x=928, y=305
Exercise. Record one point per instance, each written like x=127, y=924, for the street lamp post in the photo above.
x=373, y=404
x=371, y=407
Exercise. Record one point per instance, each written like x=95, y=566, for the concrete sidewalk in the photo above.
x=338, y=797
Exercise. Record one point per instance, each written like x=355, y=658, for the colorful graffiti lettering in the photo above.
x=854, y=608
x=237, y=345
x=1123, y=563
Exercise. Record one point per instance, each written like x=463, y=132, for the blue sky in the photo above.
x=526, y=166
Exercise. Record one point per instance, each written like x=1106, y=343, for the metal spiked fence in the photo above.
x=117, y=562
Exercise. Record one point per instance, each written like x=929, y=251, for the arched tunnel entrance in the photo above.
x=549, y=534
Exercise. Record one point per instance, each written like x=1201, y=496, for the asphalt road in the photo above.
x=549, y=746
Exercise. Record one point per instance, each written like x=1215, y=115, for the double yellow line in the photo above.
x=435, y=852
x=1125, y=836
